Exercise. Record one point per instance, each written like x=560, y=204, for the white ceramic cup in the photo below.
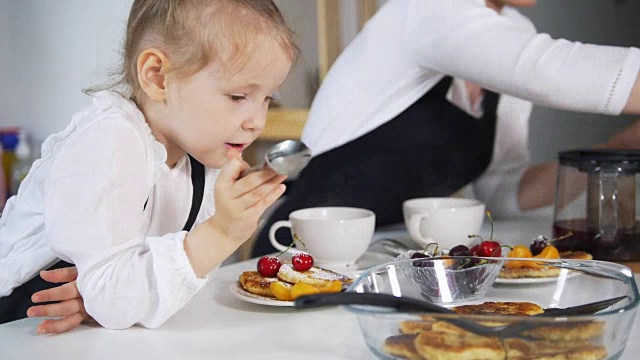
x=445, y=221
x=334, y=236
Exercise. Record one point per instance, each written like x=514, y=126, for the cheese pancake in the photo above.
x=401, y=346
x=414, y=327
x=568, y=331
x=442, y=346
x=253, y=282
x=518, y=349
x=500, y=308
x=315, y=276
x=545, y=271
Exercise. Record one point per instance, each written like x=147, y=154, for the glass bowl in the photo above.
x=391, y=334
x=450, y=279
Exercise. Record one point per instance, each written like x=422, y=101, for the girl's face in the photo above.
x=210, y=112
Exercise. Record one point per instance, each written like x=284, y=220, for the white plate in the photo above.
x=527, y=281
x=241, y=294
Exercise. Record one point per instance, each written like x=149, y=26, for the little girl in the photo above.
x=143, y=192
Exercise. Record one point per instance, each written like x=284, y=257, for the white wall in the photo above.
x=55, y=49
x=5, y=91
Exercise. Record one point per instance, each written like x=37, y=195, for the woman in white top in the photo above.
x=433, y=95
x=143, y=193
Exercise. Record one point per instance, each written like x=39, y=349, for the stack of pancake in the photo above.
x=430, y=338
x=543, y=271
x=254, y=283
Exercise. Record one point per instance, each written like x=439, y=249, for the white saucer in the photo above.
x=529, y=281
x=243, y=295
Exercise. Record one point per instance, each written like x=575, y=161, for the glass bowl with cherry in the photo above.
x=443, y=278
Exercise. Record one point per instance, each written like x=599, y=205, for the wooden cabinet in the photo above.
x=287, y=122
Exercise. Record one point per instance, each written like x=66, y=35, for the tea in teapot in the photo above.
x=596, y=201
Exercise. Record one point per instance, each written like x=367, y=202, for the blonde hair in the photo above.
x=193, y=33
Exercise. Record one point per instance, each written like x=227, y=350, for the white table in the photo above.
x=216, y=325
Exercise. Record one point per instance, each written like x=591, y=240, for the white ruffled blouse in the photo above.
x=84, y=202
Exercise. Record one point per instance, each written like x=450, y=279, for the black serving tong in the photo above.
x=403, y=304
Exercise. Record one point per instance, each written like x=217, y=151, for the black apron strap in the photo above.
x=197, y=180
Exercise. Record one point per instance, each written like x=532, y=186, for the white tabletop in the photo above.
x=217, y=325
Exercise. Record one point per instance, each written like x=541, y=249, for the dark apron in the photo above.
x=14, y=306
x=431, y=149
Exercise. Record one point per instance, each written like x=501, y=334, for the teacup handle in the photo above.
x=272, y=234
x=414, y=229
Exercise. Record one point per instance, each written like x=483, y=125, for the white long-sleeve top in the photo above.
x=83, y=202
x=409, y=45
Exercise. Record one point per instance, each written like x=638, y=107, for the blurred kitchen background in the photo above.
x=51, y=49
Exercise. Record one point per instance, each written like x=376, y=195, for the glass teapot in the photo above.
x=596, y=205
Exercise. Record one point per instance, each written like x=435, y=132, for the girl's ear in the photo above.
x=152, y=66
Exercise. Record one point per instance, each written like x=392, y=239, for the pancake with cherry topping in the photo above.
x=315, y=276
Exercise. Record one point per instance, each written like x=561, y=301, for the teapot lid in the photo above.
x=589, y=160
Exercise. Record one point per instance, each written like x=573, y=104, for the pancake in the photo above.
x=500, y=308
x=518, y=349
x=444, y=346
x=568, y=331
x=315, y=276
x=545, y=271
x=414, y=327
x=401, y=346
x=253, y=282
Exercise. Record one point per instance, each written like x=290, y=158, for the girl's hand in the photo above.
x=241, y=201
x=69, y=306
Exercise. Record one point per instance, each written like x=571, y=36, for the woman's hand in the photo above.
x=69, y=307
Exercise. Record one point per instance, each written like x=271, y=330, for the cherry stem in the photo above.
x=565, y=236
x=297, y=238
x=491, y=220
x=475, y=236
x=285, y=250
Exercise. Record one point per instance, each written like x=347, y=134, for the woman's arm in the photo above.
x=465, y=39
x=633, y=104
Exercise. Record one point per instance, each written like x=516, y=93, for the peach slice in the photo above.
x=301, y=289
x=281, y=290
x=332, y=287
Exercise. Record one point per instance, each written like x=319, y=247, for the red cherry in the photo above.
x=268, y=266
x=475, y=250
x=302, y=261
x=490, y=249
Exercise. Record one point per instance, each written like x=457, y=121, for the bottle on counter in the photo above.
x=23, y=162
x=4, y=191
x=9, y=141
